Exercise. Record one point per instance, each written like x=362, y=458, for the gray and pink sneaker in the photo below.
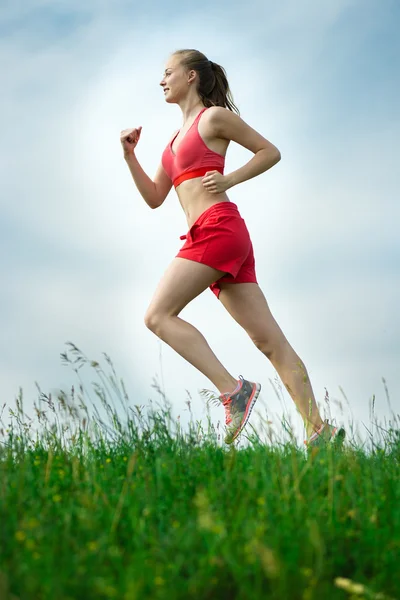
x=326, y=434
x=238, y=407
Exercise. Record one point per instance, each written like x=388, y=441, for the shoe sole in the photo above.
x=249, y=408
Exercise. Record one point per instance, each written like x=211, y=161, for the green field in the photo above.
x=137, y=508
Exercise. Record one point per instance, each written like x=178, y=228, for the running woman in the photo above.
x=217, y=253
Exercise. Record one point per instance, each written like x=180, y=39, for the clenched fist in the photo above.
x=129, y=139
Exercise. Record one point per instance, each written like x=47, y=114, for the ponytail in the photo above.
x=213, y=87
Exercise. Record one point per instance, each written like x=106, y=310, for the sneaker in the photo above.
x=325, y=435
x=238, y=407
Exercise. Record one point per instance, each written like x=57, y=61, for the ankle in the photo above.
x=231, y=389
x=313, y=427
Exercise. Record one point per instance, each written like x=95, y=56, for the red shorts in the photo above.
x=219, y=238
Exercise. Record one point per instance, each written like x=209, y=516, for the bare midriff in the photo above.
x=195, y=199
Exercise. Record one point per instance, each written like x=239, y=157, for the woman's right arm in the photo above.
x=153, y=192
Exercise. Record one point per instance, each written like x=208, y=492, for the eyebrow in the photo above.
x=168, y=69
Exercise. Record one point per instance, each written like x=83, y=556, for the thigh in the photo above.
x=247, y=304
x=183, y=281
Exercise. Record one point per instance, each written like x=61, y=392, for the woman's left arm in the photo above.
x=226, y=124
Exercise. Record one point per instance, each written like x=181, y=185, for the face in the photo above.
x=175, y=81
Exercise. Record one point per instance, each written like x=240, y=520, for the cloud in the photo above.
x=90, y=252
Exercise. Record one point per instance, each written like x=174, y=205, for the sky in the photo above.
x=82, y=254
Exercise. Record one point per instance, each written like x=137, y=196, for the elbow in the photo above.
x=156, y=203
x=272, y=155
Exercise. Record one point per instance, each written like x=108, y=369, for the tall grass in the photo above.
x=129, y=505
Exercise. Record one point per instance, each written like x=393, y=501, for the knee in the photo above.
x=265, y=347
x=273, y=350
x=153, y=321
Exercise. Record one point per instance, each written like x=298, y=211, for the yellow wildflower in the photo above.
x=92, y=546
x=346, y=584
x=32, y=523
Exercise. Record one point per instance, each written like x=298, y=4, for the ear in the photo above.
x=192, y=76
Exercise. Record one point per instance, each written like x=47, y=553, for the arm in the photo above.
x=228, y=125
x=153, y=192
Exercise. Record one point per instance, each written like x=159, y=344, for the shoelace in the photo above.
x=227, y=406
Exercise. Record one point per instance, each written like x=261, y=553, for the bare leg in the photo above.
x=246, y=303
x=192, y=346
x=182, y=282
x=294, y=376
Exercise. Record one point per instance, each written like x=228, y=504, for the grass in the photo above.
x=140, y=509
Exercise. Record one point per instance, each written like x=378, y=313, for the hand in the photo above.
x=215, y=183
x=129, y=139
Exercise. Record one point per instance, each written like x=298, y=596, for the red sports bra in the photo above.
x=193, y=158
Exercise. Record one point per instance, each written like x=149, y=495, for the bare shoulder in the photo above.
x=228, y=125
x=214, y=116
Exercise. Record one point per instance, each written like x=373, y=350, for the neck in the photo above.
x=190, y=107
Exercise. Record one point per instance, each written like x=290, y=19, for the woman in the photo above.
x=218, y=252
